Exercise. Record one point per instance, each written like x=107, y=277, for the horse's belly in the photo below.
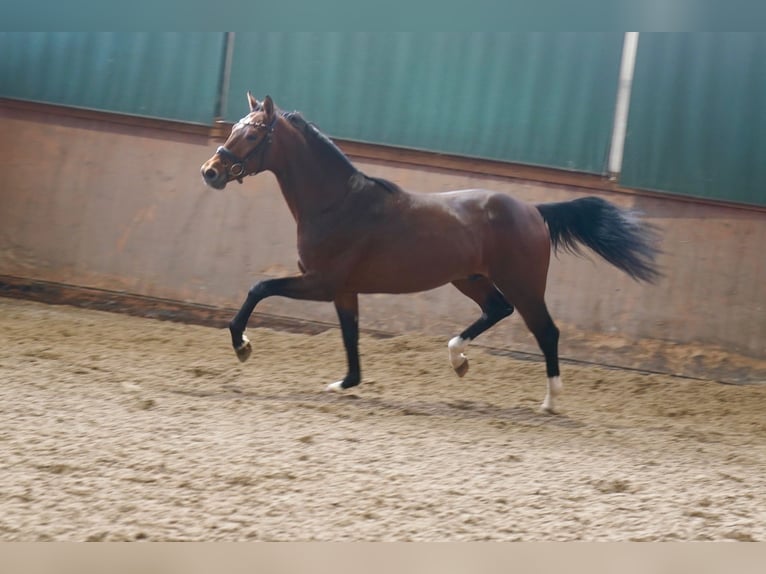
x=418, y=268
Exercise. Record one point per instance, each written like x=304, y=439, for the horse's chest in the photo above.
x=318, y=249
x=340, y=236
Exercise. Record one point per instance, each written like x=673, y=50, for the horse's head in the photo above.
x=244, y=151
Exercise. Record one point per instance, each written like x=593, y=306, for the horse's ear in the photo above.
x=268, y=106
x=254, y=105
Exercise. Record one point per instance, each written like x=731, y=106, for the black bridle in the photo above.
x=238, y=167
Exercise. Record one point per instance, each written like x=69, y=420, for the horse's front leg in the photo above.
x=302, y=287
x=347, y=306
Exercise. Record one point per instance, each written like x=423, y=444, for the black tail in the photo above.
x=617, y=235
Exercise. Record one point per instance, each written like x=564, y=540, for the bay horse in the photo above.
x=361, y=234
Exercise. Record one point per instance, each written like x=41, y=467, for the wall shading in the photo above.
x=543, y=99
x=158, y=74
x=697, y=123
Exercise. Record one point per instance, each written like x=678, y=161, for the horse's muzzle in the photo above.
x=214, y=176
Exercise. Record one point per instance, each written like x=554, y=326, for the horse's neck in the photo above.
x=312, y=180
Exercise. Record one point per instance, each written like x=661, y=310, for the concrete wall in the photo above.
x=93, y=203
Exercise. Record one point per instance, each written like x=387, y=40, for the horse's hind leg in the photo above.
x=535, y=314
x=541, y=324
x=493, y=306
x=518, y=266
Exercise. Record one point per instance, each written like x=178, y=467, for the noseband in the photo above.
x=238, y=167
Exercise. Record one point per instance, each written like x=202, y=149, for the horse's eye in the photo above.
x=251, y=138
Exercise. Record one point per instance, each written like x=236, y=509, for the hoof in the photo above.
x=244, y=350
x=335, y=387
x=554, y=390
x=462, y=369
x=548, y=409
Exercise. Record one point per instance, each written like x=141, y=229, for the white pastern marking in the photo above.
x=456, y=347
x=555, y=386
x=245, y=341
x=335, y=387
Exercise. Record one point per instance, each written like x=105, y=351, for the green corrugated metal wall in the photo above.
x=697, y=123
x=159, y=74
x=545, y=99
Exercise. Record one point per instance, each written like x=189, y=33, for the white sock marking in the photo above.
x=245, y=341
x=334, y=387
x=456, y=347
x=555, y=386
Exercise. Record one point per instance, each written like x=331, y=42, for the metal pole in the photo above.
x=223, y=87
x=622, y=107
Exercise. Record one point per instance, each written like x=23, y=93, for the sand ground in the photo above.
x=122, y=428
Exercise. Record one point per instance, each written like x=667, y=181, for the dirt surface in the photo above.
x=121, y=428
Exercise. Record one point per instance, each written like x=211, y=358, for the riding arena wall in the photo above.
x=116, y=204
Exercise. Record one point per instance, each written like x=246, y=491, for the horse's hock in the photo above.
x=124, y=210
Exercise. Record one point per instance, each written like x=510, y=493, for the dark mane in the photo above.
x=389, y=185
x=311, y=131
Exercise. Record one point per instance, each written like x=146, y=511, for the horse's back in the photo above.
x=499, y=210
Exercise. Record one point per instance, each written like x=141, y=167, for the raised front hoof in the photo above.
x=244, y=350
x=462, y=369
